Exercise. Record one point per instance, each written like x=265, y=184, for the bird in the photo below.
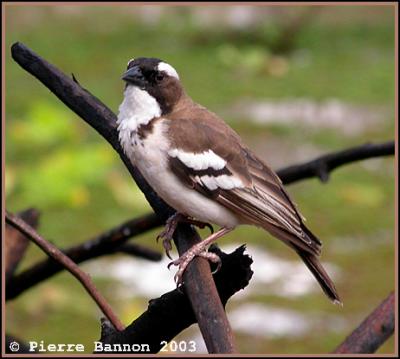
x=201, y=167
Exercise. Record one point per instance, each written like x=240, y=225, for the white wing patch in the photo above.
x=168, y=69
x=207, y=160
x=199, y=161
x=221, y=181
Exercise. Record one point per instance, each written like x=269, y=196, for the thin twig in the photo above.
x=321, y=166
x=210, y=315
x=372, y=332
x=56, y=254
x=106, y=243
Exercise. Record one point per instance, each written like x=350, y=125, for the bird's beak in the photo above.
x=134, y=76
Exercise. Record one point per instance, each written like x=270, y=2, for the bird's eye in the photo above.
x=159, y=77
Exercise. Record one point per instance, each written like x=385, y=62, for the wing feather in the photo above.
x=244, y=184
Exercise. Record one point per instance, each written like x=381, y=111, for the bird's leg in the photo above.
x=170, y=226
x=198, y=250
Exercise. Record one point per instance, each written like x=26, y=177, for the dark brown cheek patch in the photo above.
x=167, y=94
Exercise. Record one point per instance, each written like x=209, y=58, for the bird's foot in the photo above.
x=184, y=260
x=167, y=233
x=198, y=250
x=170, y=227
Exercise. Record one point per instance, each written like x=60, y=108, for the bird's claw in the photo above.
x=184, y=260
x=219, y=264
x=167, y=246
x=170, y=264
x=210, y=227
x=170, y=227
x=200, y=224
x=167, y=239
x=167, y=234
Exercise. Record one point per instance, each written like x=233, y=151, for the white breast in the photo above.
x=138, y=108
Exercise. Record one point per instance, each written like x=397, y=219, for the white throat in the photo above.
x=138, y=108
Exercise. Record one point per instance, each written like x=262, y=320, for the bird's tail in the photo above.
x=313, y=264
x=309, y=255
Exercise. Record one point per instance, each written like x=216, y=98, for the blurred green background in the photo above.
x=295, y=82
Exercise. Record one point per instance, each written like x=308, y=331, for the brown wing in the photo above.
x=245, y=185
x=271, y=207
x=250, y=188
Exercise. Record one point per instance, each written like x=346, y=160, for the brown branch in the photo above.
x=210, y=314
x=106, y=243
x=56, y=254
x=16, y=243
x=171, y=313
x=321, y=166
x=372, y=332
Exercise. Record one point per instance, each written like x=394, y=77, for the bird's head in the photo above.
x=159, y=79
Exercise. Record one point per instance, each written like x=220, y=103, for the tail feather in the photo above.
x=313, y=264
x=310, y=258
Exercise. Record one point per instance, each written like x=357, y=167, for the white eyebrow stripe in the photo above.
x=199, y=161
x=130, y=62
x=168, y=69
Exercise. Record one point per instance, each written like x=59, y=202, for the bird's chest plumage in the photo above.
x=143, y=135
x=150, y=152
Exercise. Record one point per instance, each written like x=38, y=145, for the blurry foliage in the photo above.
x=252, y=60
x=68, y=165
x=58, y=164
x=45, y=125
